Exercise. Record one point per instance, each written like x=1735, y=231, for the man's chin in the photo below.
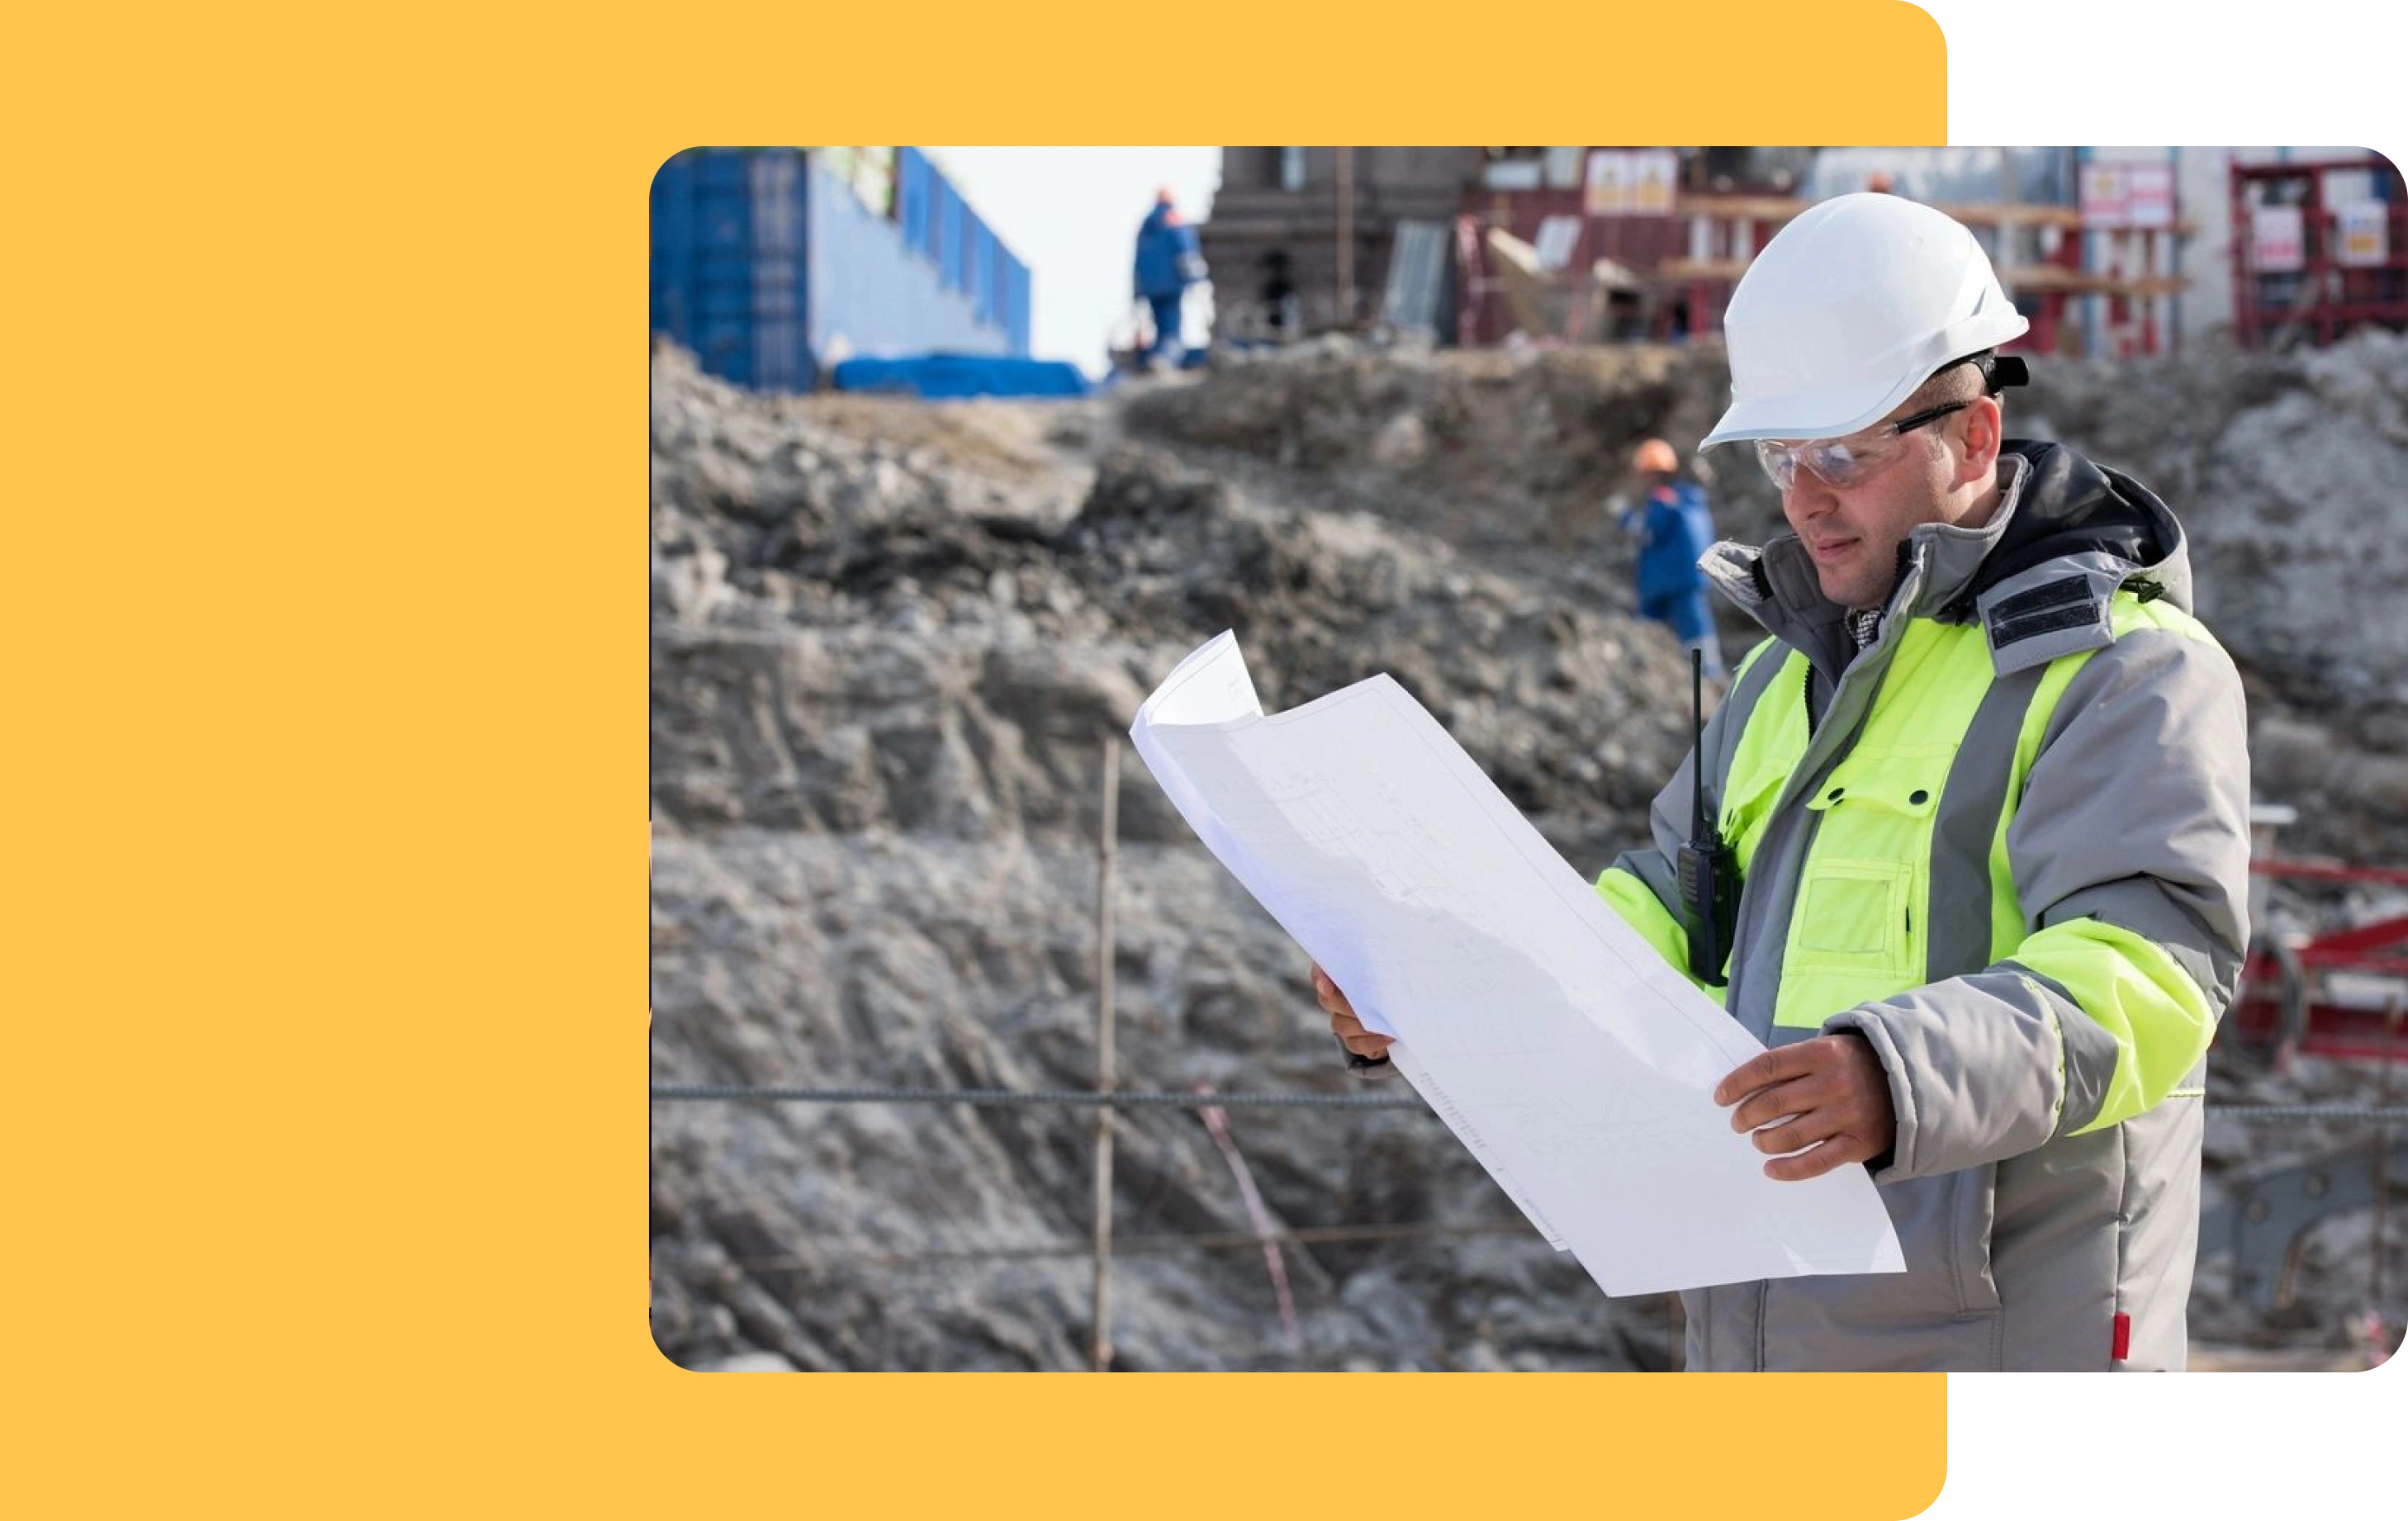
x=1842, y=589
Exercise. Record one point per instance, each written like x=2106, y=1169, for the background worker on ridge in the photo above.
x=1169, y=259
x=1674, y=529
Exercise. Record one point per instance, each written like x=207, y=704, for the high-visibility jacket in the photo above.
x=2008, y=844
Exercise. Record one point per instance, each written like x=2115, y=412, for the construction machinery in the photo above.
x=2335, y=991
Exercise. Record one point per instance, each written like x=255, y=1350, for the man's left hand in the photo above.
x=1829, y=1093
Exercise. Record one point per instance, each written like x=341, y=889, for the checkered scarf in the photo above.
x=1864, y=627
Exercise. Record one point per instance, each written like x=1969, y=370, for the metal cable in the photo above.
x=1197, y=1240
x=728, y=633
x=1134, y=1099
x=2355, y=1113
x=1006, y=1097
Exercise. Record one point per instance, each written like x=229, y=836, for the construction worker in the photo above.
x=1987, y=787
x=1675, y=530
x=1169, y=261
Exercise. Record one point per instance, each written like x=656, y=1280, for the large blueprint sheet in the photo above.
x=1575, y=1064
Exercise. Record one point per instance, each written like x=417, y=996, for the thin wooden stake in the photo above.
x=1100, y=1349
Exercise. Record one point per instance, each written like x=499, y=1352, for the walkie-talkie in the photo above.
x=1708, y=870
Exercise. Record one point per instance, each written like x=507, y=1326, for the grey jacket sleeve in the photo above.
x=2129, y=851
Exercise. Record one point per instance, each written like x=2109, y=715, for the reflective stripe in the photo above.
x=1967, y=876
x=1749, y=661
x=2007, y=923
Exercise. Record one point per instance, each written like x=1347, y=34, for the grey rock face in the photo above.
x=890, y=640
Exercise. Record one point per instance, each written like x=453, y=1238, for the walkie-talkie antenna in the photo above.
x=1698, y=742
x=1707, y=869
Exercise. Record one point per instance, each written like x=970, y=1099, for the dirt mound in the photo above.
x=884, y=670
x=1487, y=449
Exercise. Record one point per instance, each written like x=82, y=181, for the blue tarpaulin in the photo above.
x=941, y=376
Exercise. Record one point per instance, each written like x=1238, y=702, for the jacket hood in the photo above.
x=2068, y=504
x=2059, y=514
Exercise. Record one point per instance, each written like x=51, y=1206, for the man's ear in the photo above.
x=1985, y=422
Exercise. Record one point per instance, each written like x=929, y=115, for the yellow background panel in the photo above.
x=328, y=621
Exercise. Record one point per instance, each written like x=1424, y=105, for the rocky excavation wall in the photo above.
x=890, y=641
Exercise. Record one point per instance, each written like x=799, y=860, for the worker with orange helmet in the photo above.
x=1675, y=530
x=1168, y=259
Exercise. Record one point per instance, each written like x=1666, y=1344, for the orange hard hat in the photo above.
x=1656, y=455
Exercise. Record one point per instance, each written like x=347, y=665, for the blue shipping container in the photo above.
x=915, y=201
x=961, y=226
x=872, y=297
x=1016, y=323
x=768, y=268
x=984, y=249
x=729, y=248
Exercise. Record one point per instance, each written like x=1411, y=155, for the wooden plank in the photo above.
x=1722, y=270
x=2049, y=279
x=2025, y=280
x=1739, y=207
x=1971, y=213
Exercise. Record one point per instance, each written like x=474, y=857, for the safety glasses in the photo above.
x=1841, y=463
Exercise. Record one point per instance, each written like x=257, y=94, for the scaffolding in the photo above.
x=2320, y=249
x=2088, y=289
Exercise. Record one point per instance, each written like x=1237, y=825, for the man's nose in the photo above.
x=1807, y=496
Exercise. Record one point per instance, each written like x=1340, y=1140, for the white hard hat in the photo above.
x=1850, y=307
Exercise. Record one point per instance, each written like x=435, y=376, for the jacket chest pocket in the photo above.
x=1855, y=932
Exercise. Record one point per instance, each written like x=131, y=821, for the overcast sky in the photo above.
x=1071, y=215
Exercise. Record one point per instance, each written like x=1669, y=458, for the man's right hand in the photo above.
x=1343, y=1023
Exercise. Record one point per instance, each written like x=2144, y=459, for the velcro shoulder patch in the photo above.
x=2036, y=624
x=2043, y=609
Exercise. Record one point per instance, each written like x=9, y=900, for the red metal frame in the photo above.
x=1728, y=230
x=2333, y=297
x=2282, y=1001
